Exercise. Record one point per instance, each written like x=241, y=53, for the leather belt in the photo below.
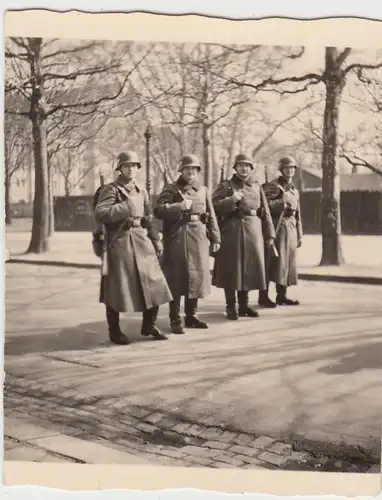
x=193, y=217
x=249, y=213
x=133, y=222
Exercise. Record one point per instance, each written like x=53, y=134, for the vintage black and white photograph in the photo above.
x=193, y=254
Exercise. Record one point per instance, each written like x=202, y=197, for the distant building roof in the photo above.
x=353, y=182
x=361, y=182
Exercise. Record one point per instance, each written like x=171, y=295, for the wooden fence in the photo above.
x=361, y=212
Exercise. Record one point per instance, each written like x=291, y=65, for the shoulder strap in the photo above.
x=122, y=190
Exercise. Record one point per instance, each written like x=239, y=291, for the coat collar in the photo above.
x=182, y=184
x=282, y=181
x=128, y=186
x=240, y=182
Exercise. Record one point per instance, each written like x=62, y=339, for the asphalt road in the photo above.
x=312, y=371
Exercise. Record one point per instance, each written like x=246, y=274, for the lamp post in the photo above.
x=148, y=134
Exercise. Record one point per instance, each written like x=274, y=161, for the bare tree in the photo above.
x=334, y=77
x=41, y=73
x=16, y=150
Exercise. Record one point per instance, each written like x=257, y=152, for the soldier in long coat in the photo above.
x=135, y=281
x=246, y=228
x=284, y=203
x=189, y=229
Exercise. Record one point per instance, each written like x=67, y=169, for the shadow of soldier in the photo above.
x=81, y=337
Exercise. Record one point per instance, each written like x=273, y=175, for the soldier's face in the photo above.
x=190, y=173
x=129, y=171
x=288, y=172
x=243, y=169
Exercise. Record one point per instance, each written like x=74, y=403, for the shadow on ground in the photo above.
x=361, y=357
x=79, y=338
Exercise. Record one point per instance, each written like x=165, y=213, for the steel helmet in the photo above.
x=287, y=161
x=189, y=161
x=242, y=158
x=126, y=158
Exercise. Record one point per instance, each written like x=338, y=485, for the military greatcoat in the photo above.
x=187, y=237
x=135, y=280
x=244, y=226
x=283, y=270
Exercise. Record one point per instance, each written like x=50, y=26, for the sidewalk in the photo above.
x=25, y=439
x=295, y=375
x=363, y=255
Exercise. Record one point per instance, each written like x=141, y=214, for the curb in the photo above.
x=357, y=280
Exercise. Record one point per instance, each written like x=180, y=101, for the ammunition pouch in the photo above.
x=98, y=243
x=203, y=218
x=289, y=212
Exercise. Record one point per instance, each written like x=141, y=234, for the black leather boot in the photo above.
x=264, y=300
x=191, y=320
x=149, y=328
x=282, y=299
x=115, y=334
x=244, y=309
x=175, y=321
x=230, y=299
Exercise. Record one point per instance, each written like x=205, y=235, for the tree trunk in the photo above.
x=332, y=254
x=67, y=185
x=40, y=227
x=7, y=187
x=50, y=200
x=206, y=158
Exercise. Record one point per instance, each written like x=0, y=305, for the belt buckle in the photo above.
x=194, y=217
x=252, y=212
x=136, y=222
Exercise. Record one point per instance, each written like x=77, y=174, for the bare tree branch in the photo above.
x=343, y=56
x=103, y=99
x=360, y=162
x=71, y=51
x=361, y=66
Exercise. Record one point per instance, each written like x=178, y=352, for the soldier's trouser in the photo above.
x=230, y=298
x=112, y=317
x=281, y=291
x=263, y=294
x=190, y=309
x=242, y=298
x=174, y=311
x=149, y=316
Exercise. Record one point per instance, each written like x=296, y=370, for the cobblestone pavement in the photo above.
x=304, y=381
x=154, y=434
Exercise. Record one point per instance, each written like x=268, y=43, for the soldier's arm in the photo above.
x=267, y=222
x=166, y=207
x=107, y=210
x=222, y=200
x=274, y=197
x=212, y=224
x=153, y=232
x=299, y=222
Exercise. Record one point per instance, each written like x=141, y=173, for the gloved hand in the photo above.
x=158, y=245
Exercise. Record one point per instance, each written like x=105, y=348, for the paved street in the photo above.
x=292, y=389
